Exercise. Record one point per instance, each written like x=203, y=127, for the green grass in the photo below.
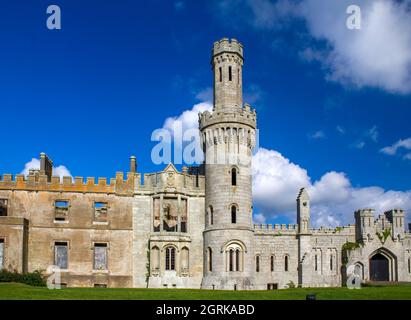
x=21, y=291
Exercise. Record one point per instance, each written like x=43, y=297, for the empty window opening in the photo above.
x=230, y=74
x=100, y=256
x=220, y=71
x=409, y=265
x=286, y=263
x=331, y=262
x=233, y=214
x=100, y=211
x=272, y=263
x=316, y=263
x=170, y=258
x=237, y=260
x=3, y=207
x=100, y=285
x=61, y=208
x=233, y=176
x=61, y=255
x=235, y=287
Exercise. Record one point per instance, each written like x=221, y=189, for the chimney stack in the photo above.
x=133, y=164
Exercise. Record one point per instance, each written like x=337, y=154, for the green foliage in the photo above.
x=291, y=285
x=384, y=235
x=35, y=278
x=347, y=247
x=338, y=229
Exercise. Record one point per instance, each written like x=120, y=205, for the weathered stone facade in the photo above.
x=190, y=229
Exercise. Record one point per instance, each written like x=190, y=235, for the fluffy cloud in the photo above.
x=378, y=55
x=400, y=144
x=276, y=182
x=188, y=119
x=60, y=171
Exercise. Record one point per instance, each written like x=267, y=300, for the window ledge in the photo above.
x=101, y=271
x=61, y=222
x=100, y=223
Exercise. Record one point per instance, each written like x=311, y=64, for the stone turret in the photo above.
x=364, y=225
x=227, y=62
x=228, y=137
x=46, y=166
x=303, y=212
x=396, y=217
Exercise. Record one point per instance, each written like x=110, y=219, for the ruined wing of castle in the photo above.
x=190, y=229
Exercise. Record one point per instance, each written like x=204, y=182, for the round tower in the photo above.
x=228, y=138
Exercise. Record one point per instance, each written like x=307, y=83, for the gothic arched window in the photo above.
x=170, y=258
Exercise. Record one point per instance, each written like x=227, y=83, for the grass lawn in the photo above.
x=21, y=291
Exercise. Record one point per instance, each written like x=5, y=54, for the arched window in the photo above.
x=231, y=268
x=170, y=258
x=286, y=263
x=210, y=259
x=237, y=260
x=185, y=259
x=233, y=176
x=233, y=214
x=257, y=264
x=155, y=258
x=234, y=257
x=272, y=263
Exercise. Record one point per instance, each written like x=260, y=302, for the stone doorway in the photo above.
x=379, y=268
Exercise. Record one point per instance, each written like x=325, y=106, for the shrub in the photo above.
x=35, y=278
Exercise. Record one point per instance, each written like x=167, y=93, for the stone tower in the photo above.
x=228, y=138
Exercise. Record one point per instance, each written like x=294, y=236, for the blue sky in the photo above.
x=90, y=94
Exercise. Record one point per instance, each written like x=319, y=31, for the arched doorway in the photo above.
x=379, y=268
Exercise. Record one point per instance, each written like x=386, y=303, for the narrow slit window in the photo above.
x=233, y=176
x=220, y=71
x=286, y=263
x=237, y=260
x=231, y=260
x=230, y=73
x=233, y=214
x=257, y=264
x=272, y=263
x=210, y=259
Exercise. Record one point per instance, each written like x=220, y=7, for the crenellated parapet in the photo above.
x=39, y=182
x=343, y=231
x=276, y=229
x=226, y=46
x=245, y=116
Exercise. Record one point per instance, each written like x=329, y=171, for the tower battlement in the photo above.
x=227, y=45
x=246, y=116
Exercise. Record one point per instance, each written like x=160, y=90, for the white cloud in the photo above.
x=205, y=95
x=340, y=130
x=188, y=119
x=276, y=181
x=259, y=218
x=378, y=55
x=317, y=135
x=400, y=144
x=34, y=163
